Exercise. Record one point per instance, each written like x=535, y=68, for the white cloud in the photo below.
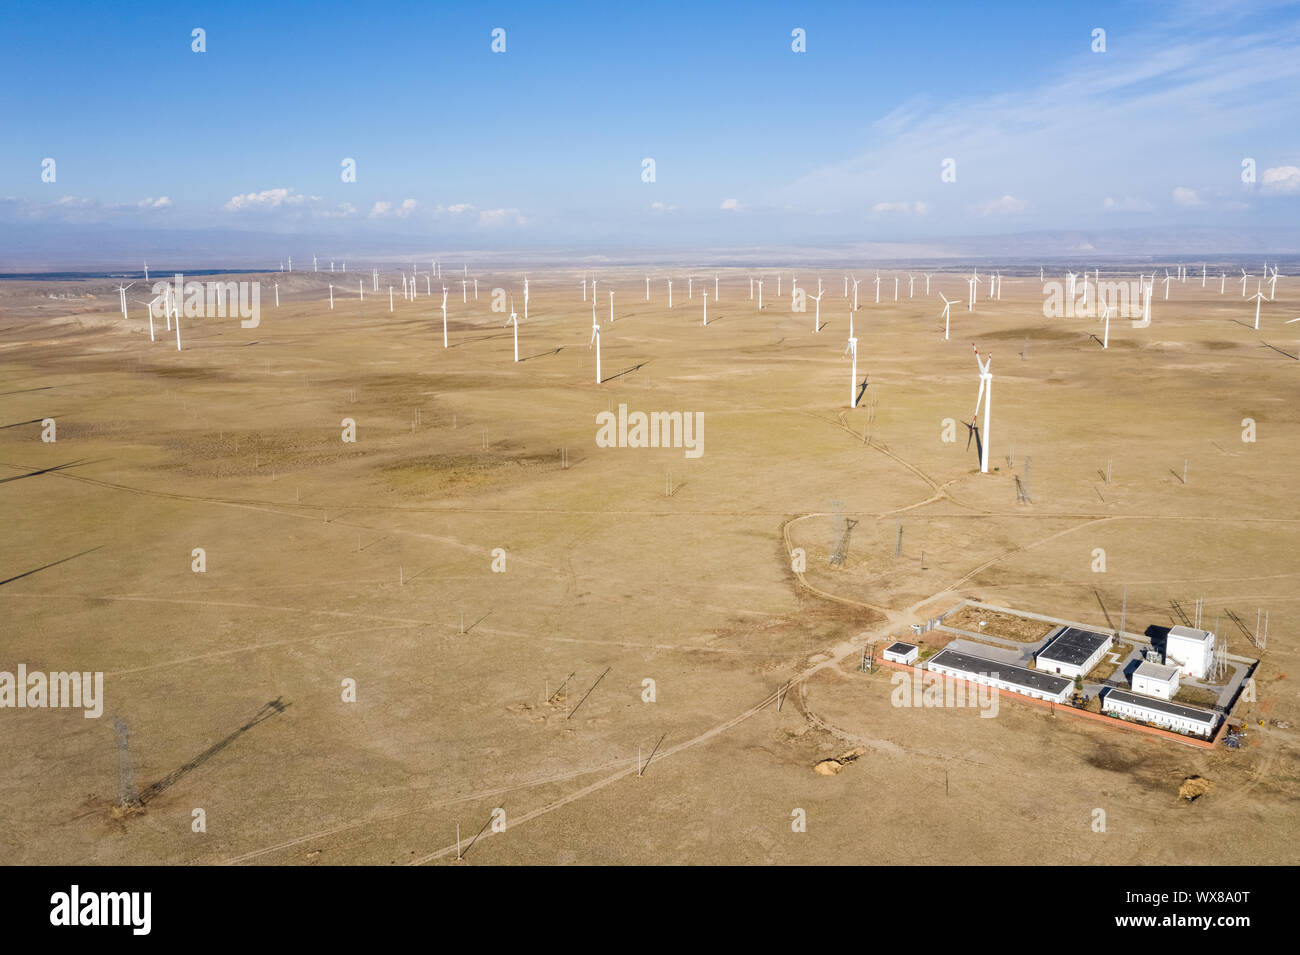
x=657, y=206
x=1007, y=205
x=731, y=205
x=1186, y=197
x=1127, y=204
x=266, y=199
x=901, y=208
x=496, y=217
x=460, y=207
x=384, y=209
x=1280, y=179
x=162, y=202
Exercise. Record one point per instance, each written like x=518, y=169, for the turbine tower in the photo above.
x=986, y=397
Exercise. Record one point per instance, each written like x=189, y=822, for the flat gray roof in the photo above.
x=1164, y=706
x=1019, y=676
x=900, y=647
x=1155, y=671
x=1073, y=646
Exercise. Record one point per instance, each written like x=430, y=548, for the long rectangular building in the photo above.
x=1004, y=676
x=1162, y=713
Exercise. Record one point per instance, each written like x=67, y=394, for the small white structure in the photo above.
x=1152, y=679
x=902, y=652
x=1161, y=713
x=1192, y=651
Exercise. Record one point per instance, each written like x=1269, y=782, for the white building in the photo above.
x=1152, y=679
x=1072, y=652
x=1191, y=650
x=1004, y=676
x=902, y=652
x=1161, y=713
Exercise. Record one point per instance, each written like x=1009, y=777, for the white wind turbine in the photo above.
x=706, y=307
x=361, y=289
x=1272, y=284
x=690, y=287
x=390, y=299
x=1259, y=299
x=856, y=282
x=846, y=286
x=464, y=291
x=1167, y=280
x=999, y=286
x=855, y=292
x=611, y=308
x=1105, y=339
x=986, y=396
x=277, y=294
x=715, y=287
x=647, y=288
x=331, y=296
x=1222, y=279
x=512, y=303
x=584, y=288
x=146, y=271
x=927, y=282
x=852, y=349
x=760, y=293
x=148, y=306
x=817, y=321
x=595, y=339
x=515, y=320
x=670, y=294
x=895, y=288
x=444, y=316
x=947, y=307
x=911, y=284
x=1203, y=275
x=1244, y=276
x=973, y=280
x=121, y=291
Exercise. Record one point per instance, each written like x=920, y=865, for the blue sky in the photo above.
x=754, y=144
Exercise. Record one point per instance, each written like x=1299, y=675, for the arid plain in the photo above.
x=373, y=562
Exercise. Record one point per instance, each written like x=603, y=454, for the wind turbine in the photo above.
x=856, y=282
x=1105, y=338
x=760, y=293
x=149, y=308
x=515, y=319
x=584, y=288
x=895, y=288
x=361, y=288
x=1167, y=280
x=121, y=291
x=670, y=294
x=706, y=307
x=1259, y=299
x=947, y=306
x=852, y=349
x=1272, y=284
x=855, y=292
x=331, y=296
x=444, y=316
x=715, y=287
x=611, y=308
x=817, y=322
x=999, y=276
x=1244, y=276
x=970, y=302
x=277, y=294
x=927, y=282
x=986, y=396
x=911, y=284
x=525, y=296
x=647, y=288
x=595, y=339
